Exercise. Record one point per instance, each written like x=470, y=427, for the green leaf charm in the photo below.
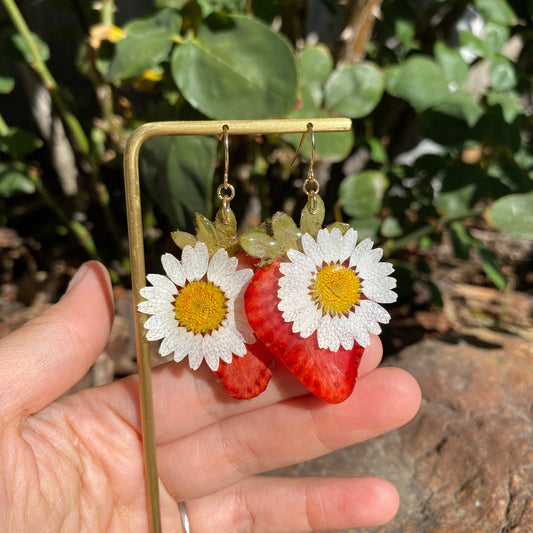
x=312, y=222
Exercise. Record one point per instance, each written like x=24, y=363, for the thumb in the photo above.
x=44, y=358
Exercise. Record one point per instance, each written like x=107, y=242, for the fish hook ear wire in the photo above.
x=223, y=188
x=311, y=185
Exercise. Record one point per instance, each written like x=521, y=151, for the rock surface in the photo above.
x=465, y=463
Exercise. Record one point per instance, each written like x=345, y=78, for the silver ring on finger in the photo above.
x=184, y=517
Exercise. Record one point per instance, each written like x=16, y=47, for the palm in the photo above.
x=77, y=464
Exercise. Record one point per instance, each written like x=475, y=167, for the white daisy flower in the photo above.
x=198, y=307
x=334, y=288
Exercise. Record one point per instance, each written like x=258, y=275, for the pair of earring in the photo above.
x=303, y=296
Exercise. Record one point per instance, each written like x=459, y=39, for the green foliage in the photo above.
x=178, y=172
x=441, y=133
x=225, y=73
x=147, y=44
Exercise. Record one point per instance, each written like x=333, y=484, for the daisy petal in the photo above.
x=170, y=343
x=330, y=244
x=153, y=307
x=217, y=266
x=195, y=261
x=311, y=249
x=234, y=284
x=302, y=262
x=156, y=293
x=326, y=334
x=374, y=311
x=349, y=241
x=379, y=293
x=173, y=269
x=360, y=250
x=162, y=282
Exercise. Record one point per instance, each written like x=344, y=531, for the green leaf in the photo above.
x=182, y=239
x=178, y=172
x=361, y=195
x=512, y=214
x=355, y=90
x=174, y=4
x=405, y=31
x=315, y=65
x=14, y=180
x=285, y=231
x=378, y=152
x=474, y=44
x=147, y=45
x=491, y=266
x=229, y=228
x=419, y=81
x=496, y=10
x=462, y=105
x=508, y=102
x=237, y=68
x=461, y=239
x=332, y=146
x=391, y=228
x=366, y=227
x=343, y=227
x=165, y=22
x=312, y=222
x=495, y=35
x=7, y=83
x=22, y=47
x=259, y=244
x=451, y=62
x=205, y=232
x=19, y=142
x=502, y=74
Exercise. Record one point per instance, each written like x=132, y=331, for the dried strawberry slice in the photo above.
x=327, y=374
x=247, y=376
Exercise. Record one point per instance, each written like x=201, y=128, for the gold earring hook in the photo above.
x=222, y=194
x=311, y=185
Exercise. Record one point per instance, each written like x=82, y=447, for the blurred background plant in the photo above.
x=440, y=153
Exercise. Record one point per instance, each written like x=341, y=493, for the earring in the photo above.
x=305, y=297
x=317, y=295
x=197, y=308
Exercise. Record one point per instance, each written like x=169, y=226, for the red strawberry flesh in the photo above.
x=328, y=375
x=247, y=376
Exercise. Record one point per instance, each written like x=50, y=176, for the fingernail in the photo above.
x=77, y=277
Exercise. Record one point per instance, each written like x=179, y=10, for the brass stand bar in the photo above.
x=138, y=273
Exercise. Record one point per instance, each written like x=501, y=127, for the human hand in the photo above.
x=76, y=464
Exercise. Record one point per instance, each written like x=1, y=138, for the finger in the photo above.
x=186, y=401
x=286, y=433
x=283, y=505
x=44, y=358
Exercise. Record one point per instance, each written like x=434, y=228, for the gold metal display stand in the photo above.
x=136, y=243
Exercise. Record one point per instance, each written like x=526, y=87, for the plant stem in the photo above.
x=49, y=82
x=70, y=120
x=107, y=15
x=79, y=231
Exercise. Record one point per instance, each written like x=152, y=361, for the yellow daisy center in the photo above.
x=336, y=289
x=200, y=306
